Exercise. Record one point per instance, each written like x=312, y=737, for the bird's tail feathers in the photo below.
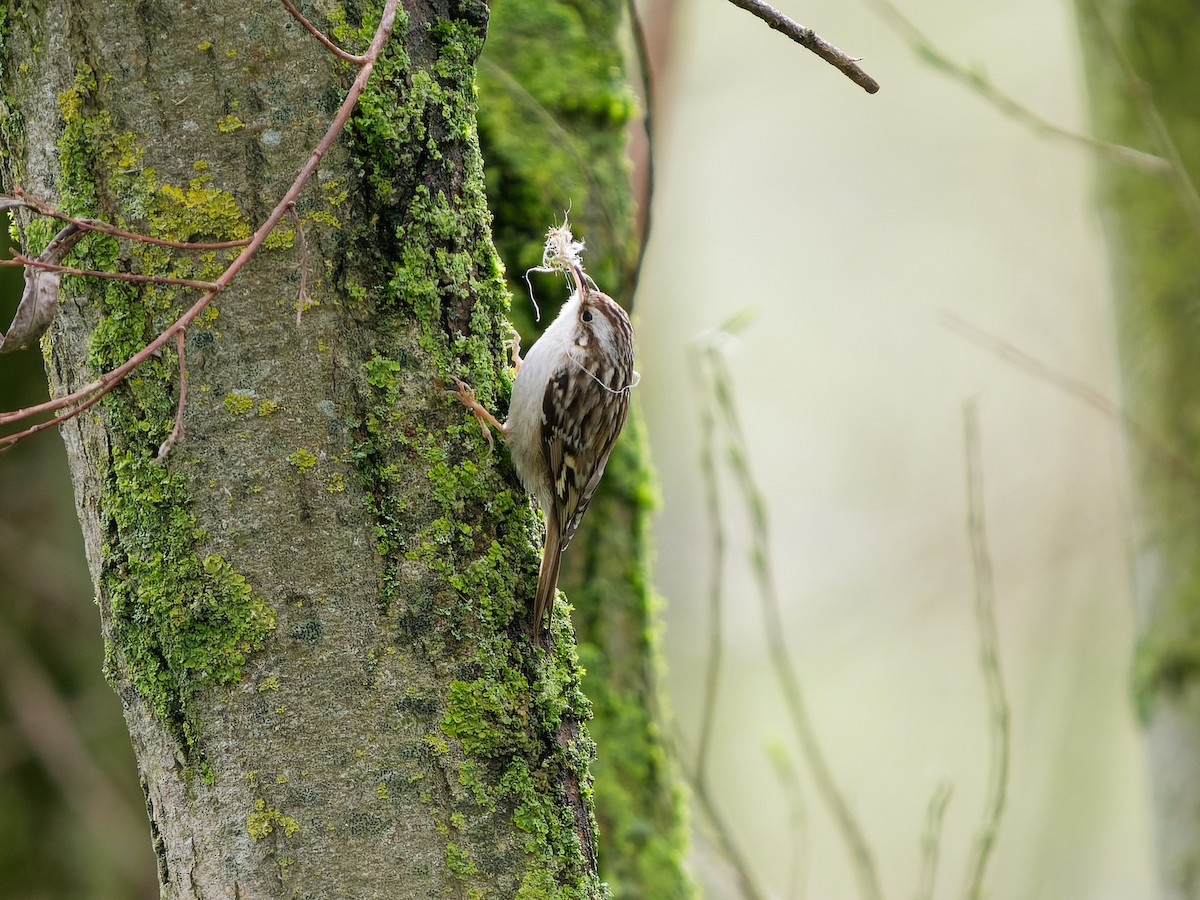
x=543, y=604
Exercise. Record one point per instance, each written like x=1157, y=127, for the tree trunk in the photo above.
x=316, y=609
x=548, y=149
x=1154, y=235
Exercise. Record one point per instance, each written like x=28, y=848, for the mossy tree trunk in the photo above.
x=555, y=109
x=1154, y=235
x=317, y=608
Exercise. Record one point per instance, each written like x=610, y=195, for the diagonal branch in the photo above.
x=755, y=501
x=320, y=36
x=989, y=660
x=925, y=49
x=41, y=206
x=79, y=400
x=177, y=431
x=24, y=261
x=810, y=40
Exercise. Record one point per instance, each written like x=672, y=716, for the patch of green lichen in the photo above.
x=179, y=623
x=302, y=460
x=263, y=820
x=182, y=619
x=238, y=404
x=229, y=123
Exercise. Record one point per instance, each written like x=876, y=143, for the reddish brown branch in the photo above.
x=810, y=40
x=319, y=35
x=88, y=395
x=177, y=431
x=20, y=260
x=46, y=209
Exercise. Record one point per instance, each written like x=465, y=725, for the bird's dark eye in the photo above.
x=587, y=315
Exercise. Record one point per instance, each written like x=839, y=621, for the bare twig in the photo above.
x=976, y=81
x=319, y=35
x=41, y=206
x=1153, y=446
x=724, y=834
x=716, y=573
x=83, y=398
x=177, y=431
x=931, y=840
x=835, y=802
x=989, y=660
x=810, y=40
x=20, y=260
x=789, y=780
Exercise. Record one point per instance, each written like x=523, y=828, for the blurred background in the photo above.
x=850, y=225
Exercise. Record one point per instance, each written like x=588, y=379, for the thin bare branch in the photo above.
x=83, y=398
x=20, y=260
x=317, y=33
x=810, y=40
x=716, y=573
x=989, y=661
x=977, y=82
x=760, y=562
x=41, y=206
x=931, y=840
x=1146, y=441
x=176, y=432
x=724, y=834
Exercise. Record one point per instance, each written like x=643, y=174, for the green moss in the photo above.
x=459, y=862
x=238, y=404
x=554, y=112
x=179, y=623
x=1162, y=669
x=490, y=718
x=182, y=620
x=229, y=124
x=441, y=314
x=301, y=459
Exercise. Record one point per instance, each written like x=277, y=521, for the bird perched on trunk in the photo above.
x=569, y=402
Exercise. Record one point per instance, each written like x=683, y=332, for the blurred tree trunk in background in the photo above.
x=316, y=611
x=555, y=106
x=1153, y=227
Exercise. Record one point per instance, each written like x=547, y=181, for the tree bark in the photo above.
x=555, y=109
x=1154, y=234
x=316, y=609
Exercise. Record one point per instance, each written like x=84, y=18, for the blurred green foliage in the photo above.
x=71, y=819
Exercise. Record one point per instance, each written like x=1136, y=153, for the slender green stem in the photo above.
x=989, y=661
